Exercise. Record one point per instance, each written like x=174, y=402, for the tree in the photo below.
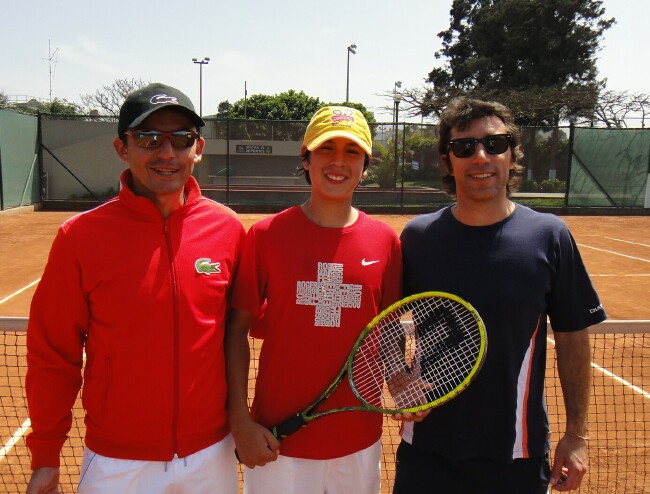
x=223, y=109
x=109, y=99
x=369, y=116
x=517, y=44
x=539, y=106
x=613, y=109
x=289, y=105
x=61, y=107
x=3, y=100
x=642, y=109
x=57, y=106
x=419, y=157
x=280, y=116
x=265, y=117
x=521, y=50
x=531, y=106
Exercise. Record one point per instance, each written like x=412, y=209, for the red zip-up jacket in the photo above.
x=146, y=297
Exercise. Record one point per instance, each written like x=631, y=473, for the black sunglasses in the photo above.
x=152, y=139
x=466, y=147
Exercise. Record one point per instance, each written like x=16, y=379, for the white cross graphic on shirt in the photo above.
x=328, y=294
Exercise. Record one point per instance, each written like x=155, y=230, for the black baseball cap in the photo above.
x=144, y=101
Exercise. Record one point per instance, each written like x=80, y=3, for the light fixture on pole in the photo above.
x=201, y=64
x=351, y=49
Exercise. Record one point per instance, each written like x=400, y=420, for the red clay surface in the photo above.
x=616, y=251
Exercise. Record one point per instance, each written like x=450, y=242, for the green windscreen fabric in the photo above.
x=609, y=167
x=18, y=160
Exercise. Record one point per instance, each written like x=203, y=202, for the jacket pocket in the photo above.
x=96, y=390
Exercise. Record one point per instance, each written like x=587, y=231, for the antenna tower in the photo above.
x=52, y=58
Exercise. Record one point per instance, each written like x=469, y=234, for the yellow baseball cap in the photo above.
x=338, y=121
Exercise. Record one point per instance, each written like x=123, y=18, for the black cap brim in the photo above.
x=198, y=121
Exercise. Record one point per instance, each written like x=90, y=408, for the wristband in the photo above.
x=584, y=438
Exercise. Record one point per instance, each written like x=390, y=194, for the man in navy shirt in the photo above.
x=516, y=267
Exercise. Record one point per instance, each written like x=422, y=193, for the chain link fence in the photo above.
x=253, y=164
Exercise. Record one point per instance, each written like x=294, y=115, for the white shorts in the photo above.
x=212, y=470
x=358, y=473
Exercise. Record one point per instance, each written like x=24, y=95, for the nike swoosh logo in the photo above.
x=367, y=263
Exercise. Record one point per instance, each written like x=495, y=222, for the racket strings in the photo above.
x=417, y=354
x=449, y=354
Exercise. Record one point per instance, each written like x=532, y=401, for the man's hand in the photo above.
x=44, y=481
x=411, y=417
x=570, y=463
x=256, y=445
x=408, y=389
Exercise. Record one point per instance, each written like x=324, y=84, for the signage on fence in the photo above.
x=254, y=149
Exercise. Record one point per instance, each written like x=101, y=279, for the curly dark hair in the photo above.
x=459, y=115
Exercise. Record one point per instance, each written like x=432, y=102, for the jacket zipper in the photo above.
x=176, y=337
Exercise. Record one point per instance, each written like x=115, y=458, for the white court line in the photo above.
x=27, y=423
x=619, y=379
x=14, y=439
x=19, y=291
x=615, y=253
x=634, y=388
x=628, y=242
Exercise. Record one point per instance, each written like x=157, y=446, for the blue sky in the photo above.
x=272, y=46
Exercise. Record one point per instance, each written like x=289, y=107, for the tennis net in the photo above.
x=619, y=415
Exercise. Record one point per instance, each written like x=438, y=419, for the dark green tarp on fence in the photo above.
x=19, y=174
x=609, y=167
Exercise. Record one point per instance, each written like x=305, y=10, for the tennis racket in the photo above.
x=417, y=354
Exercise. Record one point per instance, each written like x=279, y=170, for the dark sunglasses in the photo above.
x=466, y=147
x=152, y=139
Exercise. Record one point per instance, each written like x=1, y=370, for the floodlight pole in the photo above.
x=396, y=100
x=351, y=49
x=201, y=64
x=396, y=86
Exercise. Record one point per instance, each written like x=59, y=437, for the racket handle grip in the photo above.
x=289, y=426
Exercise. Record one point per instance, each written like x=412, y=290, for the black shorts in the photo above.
x=422, y=471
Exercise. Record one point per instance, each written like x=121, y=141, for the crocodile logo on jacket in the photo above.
x=205, y=266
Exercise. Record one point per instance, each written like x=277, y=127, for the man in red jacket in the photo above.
x=140, y=284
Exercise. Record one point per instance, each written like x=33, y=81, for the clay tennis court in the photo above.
x=616, y=251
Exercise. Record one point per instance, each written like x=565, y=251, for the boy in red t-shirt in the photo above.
x=322, y=271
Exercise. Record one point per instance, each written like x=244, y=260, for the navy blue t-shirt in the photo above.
x=515, y=273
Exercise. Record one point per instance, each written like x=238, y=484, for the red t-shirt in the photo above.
x=321, y=286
